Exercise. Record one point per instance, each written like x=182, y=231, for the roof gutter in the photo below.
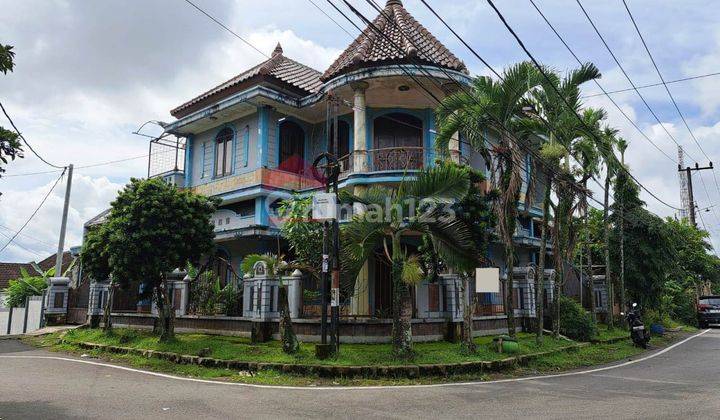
x=241, y=97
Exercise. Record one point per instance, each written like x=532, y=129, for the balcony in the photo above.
x=269, y=178
x=227, y=220
x=387, y=159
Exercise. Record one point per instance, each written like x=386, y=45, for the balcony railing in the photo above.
x=396, y=158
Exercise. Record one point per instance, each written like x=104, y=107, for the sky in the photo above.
x=89, y=73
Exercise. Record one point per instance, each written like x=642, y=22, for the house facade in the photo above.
x=251, y=142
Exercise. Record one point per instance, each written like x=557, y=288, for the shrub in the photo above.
x=22, y=288
x=575, y=321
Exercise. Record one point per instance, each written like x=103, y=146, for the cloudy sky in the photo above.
x=88, y=73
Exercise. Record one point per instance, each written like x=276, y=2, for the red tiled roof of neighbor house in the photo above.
x=372, y=49
x=287, y=73
x=11, y=271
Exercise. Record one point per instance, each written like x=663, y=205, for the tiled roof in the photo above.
x=11, y=271
x=278, y=68
x=372, y=49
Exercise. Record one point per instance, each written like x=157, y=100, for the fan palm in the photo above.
x=417, y=207
x=494, y=106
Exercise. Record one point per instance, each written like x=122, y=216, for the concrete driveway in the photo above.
x=682, y=382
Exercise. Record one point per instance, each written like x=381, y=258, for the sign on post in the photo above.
x=487, y=280
x=324, y=206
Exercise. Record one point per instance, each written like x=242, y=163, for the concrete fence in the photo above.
x=22, y=320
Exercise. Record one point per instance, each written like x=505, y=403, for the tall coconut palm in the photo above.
x=495, y=107
x=416, y=207
x=622, y=146
x=612, y=166
x=559, y=127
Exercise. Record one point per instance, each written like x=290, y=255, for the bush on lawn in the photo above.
x=575, y=321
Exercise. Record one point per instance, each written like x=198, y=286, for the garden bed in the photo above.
x=354, y=360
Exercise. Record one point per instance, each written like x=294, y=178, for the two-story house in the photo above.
x=251, y=141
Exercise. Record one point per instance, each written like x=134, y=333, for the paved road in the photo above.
x=683, y=382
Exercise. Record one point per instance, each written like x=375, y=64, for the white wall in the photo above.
x=34, y=310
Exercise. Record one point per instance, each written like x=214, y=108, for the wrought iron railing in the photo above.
x=396, y=158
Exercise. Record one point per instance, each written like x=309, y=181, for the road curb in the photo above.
x=329, y=371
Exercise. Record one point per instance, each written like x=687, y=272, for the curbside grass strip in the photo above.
x=329, y=371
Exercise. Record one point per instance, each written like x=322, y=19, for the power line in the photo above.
x=684, y=79
x=627, y=76
x=25, y=140
x=578, y=117
x=624, y=114
x=27, y=236
x=331, y=18
x=21, y=246
x=547, y=78
x=672, y=98
x=225, y=27
x=33, y=213
x=92, y=165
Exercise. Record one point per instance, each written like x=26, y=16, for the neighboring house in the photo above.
x=12, y=271
x=251, y=142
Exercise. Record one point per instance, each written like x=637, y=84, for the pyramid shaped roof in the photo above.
x=401, y=30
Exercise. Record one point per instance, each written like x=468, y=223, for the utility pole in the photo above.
x=688, y=175
x=63, y=224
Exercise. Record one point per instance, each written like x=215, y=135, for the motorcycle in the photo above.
x=639, y=335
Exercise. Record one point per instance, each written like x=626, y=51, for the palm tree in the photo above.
x=415, y=208
x=276, y=267
x=622, y=146
x=494, y=106
x=558, y=125
x=612, y=166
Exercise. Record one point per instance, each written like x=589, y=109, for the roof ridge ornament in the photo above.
x=278, y=50
x=393, y=2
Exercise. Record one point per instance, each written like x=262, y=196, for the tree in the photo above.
x=418, y=206
x=304, y=235
x=95, y=261
x=276, y=267
x=9, y=143
x=557, y=122
x=496, y=106
x=475, y=210
x=152, y=229
x=646, y=268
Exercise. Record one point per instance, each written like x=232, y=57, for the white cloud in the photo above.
x=89, y=197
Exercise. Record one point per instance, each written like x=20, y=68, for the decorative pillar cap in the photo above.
x=359, y=86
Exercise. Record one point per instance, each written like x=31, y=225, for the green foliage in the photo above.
x=302, y=233
x=576, y=322
x=24, y=287
x=205, y=291
x=6, y=58
x=152, y=229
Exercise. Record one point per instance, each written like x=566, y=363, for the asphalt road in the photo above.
x=683, y=382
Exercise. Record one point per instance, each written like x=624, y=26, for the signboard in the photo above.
x=324, y=206
x=487, y=280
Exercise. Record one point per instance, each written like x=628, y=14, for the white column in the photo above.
x=360, y=129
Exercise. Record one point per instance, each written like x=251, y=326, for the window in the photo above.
x=223, y=152
x=599, y=299
x=292, y=147
x=398, y=142
x=521, y=297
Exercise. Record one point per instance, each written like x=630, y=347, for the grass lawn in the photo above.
x=238, y=348
x=605, y=334
x=583, y=357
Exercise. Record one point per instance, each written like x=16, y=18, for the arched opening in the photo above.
x=292, y=147
x=397, y=143
x=223, y=152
